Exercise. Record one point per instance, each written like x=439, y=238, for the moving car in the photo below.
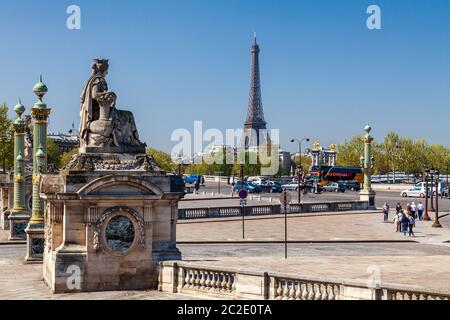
x=250, y=187
x=191, y=178
x=334, y=187
x=272, y=187
x=415, y=192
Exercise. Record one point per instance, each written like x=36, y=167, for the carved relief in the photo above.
x=100, y=239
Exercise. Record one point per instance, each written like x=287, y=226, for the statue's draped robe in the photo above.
x=88, y=104
x=125, y=131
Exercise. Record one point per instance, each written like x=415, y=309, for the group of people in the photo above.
x=405, y=219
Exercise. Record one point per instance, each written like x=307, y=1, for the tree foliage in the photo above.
x=6, y=139
x=163, y=159
x=396, y=153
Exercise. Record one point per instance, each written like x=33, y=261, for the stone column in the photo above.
x=367, y=162
x=19, y=215
x=35, y=229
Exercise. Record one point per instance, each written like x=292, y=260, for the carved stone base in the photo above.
x=35, y=244
x=113, y=162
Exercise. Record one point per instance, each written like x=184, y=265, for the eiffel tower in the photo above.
x=255, y=127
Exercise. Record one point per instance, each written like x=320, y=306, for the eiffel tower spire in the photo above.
x=255, y=122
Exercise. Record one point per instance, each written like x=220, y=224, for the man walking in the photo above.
x=420, y=209
x=386, y=212
x=413, y=209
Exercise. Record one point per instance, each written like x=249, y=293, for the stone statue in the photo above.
x=102, y=125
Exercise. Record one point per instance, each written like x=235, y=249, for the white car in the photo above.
x=414, y=192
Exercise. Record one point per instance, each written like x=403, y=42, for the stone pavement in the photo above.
x=19, y=281
x=351, y=226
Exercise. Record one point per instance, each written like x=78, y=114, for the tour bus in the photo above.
x=326, y=174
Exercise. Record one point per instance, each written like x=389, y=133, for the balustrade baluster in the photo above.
x=324, y=296
x=202, y=279
x=223, y=285
x=292, y=291
x=187, y=279
x=298, y=291
x=304, y=288
x=279, y=290
x=208, y=279
x=285, y=290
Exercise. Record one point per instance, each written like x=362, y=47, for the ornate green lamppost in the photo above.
x=367, y=163
x=19, y=216
x=35, y=229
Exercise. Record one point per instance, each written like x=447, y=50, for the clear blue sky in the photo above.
x=324, y=74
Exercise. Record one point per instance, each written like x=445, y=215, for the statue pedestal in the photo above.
x=108, y=229
x=368, y=196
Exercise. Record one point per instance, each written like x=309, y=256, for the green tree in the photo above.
x=350, y=152
x=6, y=139
x=53, y=154
x=164, y=160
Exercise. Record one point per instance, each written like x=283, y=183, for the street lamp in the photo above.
x=436, y=223
x=426, y=217
x=432, y=174
x=300, y=167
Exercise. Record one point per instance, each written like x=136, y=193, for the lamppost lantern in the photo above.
x=40, y=157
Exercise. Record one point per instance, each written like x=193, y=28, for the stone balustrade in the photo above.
x=226, y=283
x=269, y=209
x=305, y=290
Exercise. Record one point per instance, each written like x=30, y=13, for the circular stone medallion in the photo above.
x=120, y=234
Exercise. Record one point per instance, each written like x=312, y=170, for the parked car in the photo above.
x=334, y=187
x=351, y=185
x=250, y=187
x=270, y=186
x=293, y=186
x=415, y=192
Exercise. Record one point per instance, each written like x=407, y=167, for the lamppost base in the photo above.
x=436, y=225
x=368, y=196
x=18, y=223
x=426, y=218
x=35, y=243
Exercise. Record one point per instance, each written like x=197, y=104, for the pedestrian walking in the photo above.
x=411, y=225
x=414, y=210
x=420, y=209
x=398, y=208
x=386, y=212
x=405, y=222
x=197, y=185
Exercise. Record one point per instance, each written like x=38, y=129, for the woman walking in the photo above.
x=411, y=225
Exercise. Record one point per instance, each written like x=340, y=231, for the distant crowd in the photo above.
x=405, y=219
